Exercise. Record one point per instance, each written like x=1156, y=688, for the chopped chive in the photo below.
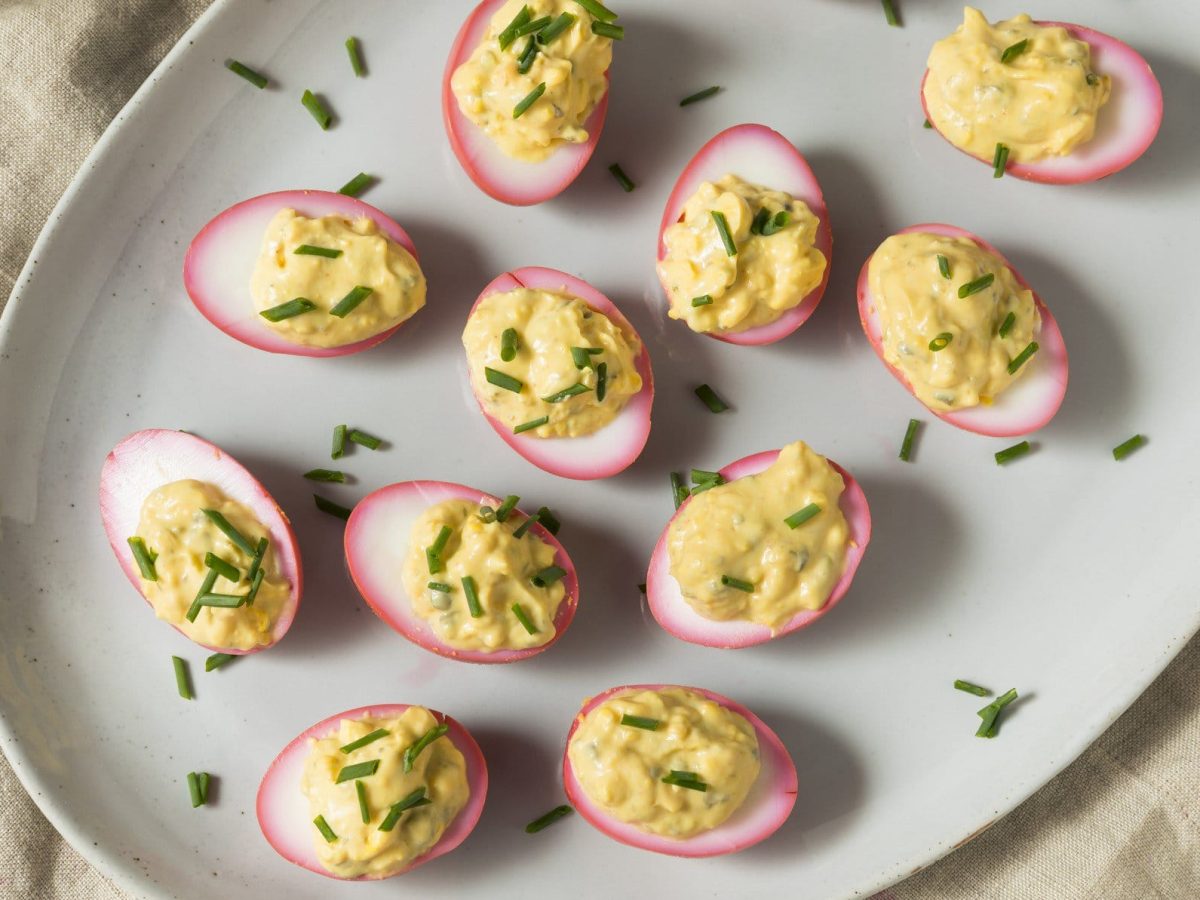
x=1023, y=357
x=608, y=30
x=1012, y=51
x=622, y=179
x=525, y=62
x=531, y=424
x=775, y=223
x=144, y=558
x=473, y=606
x=759, y=220
x=798, y=518
x=356, y=770
x=326, y=831
x=217, y=660
x=548, y=520
x=411, y=754
x=1092, y=79
x=363, y=810
x=941, y=342
x=582, y=356
x=1009, y=453
x=205, y=586
x=701, y=486
x=927, y=124
x=960, y=685
x=990, y=714
x=679, y=490
x=253, y=573
x=528, y=100
x=486, y=514
x=723, y=230
x=202, y=779
x=532, y=26
x=197, y=795
x=710, y=399
x=288, y=310
x=682, y=780
x=909, y=434
x=601, y=381
x=310, y=250
x=1122, y=450
x=598, y=10
x=317, y=109
x=699, y=95
x=548, y=819
x=702, y=300
x=334, y=509
x=415, y=799
x=1007, y=324
x=357, y=184
x=326, y=475
x=1000, y=161
x=339, y=442
x=519, y=611
x=889, y=13
x=257, y=79
x=983, y=282
x=221, y=567
x=737, y=584
x=643, y=722
x=943, y=266
x=519, y=531
x=571, y=391
x=255, y=584
x=501, y=380
x=363, y=439
x=699, y=476
x=548, y=576
x=356, y=63
x=509, y=34
x=509, y=504
x=183, y=681
x=440, y=586
x=555, y=28
x=347, y=304
x=222, y=601
x=229, y=531
x=433, y=553
x=508, y=344
x=361, y=742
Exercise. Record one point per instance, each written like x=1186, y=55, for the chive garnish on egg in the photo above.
x=1023, y=357
x=555, y=28
x=326, y=831
x=909, y=434
x=326, y=475
x=1007, y=324
x=310, y=250
x=440, y=586
x=369, y=738
x=699, y=476
x=364, y=811
x=183, y=682
x=548, y=576
x=519, y=531
x=217, y=660
x=687, y=780
x=571, y=391
x=547, y=819
x=977, y=690
x=509, y=344
x=759, y=220
x=356, y=60
x=411, y=754
x=737, y=584
x=1010, y=453
x=509, y=34
x=679, y=490
x=1123, y=449
x=608, y=30
x=699, y=95
x=222, y=601
x=702, y=300
x=889, y=13
x=356, y=770
x=623, y=180
x=1012, y=51
x=710, y=399
x=532, y=26
x=206, y=585
x=643, y=722
x=601, y=381
x=941, y=342
x=334, y=509
x=943, y=266
x=288, y=310
x=582, y=356
x=548, y=520
x=983, y=282
x=255, y=584
x=221, y=567
x=257, y=79
x=433, y=553
x=316, y=109
x=350, y=302
x=144, y=557
x=506, y=507
x=473, y=605
x=339, y=442
x=531, y=424
x=528, y=100
x=525, y=61
x=229, y=531
x=523, y=617
x=503, y=380
x=357, y=184
x=775, y=223
x=800, y=516
x=598, y=10
x=723, y=230
x=260, y=553
x=363, y=439
x=411, y=801
x=1000, y=161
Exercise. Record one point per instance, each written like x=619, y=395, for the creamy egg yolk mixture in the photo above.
x=502, y=568
x=365, y=258
x=385, y=843
x=772, y=270
x=918, y=307
x=621, y=767
x=572, y=365
x=173, y=525
x=735, y=556
x=492, y=83
x=1041, y=102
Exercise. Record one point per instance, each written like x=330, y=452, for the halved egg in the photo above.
x=763, y=809
x=222, y=259
x=1029, y=402
x=286, y=819
x=384, y=562
x=600, y=453
x=507, y=179
x=673, y=612
x=761, y=156
x=147, y=487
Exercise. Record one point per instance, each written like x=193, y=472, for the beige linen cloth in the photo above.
x=1118, y=824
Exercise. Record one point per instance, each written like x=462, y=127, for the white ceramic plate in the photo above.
x=1065, y=575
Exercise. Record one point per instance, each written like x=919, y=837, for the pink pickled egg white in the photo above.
x=149, y=459
x=512, y=181
x=221, y=260
x=615, y=446
x=1032, y=400
x=1125, y=128
x=764, y=810
x=677, y=616
x=760, y=155
x=287, y=822
x=377, y=543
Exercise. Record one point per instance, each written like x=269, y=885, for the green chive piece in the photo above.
x=548, y=819
x=1007, y=324
x=144, y=558
x=608, y=30
x=990, y=714
x=317, y=109
x=528, y=101
x=347, y=304
x=927, y=124
x=288, y=310
x=1012, y=51
x=363, y=810
x=941, y=342
x=413, y=800
x=501, y=380
x=183, y=681
x=519, y=611
x=509, y=344
x=961, y=685
x=473, y=605
x=685, y=780
x=700, y=476
x=759, y=220
x=622, y=179
x=1010, y=453
x=519, y=531
x=440, y=586
x=983, y=282
x=548, y=576
x=776, y=223
x=197, y=795
x=1000, y=161
x=255, y=584
x=737, y=584
x=509, y=34
x=571, y=391
x=702, y=300
x=598, y=10
x=203, y=779
x=909, y=434
x=326, y=831
x=334, y=509
x=701, y=486
x=217, y=660
x=723, y=230
x=205, y=586
x=699, y=95
x=533, y=26
x=1023, y=357
x=357, y=770
x=339, y=442
x=548, y=520
x=366, y=739
x=411, y=754
x=229, y=531
x=531, y=424
x=710, y=399
x=326, y=475
x=310, y=250
x=363, y=439
x=889, y=13
x=679, y=490
x=798, y=518
x=525, y=63
x=1092, y=79
x=555, y=28
x=943, y=266
x=357, y=184
x=222, y=601
x=1122, y=450
x=582, y=356
x=257, y=79
x=509, y=504
x=601, y=381
x=643, y=722
x=486, y=514
x=221, y=567
x=254, y=573
x=356, y=63
x=433, y=553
